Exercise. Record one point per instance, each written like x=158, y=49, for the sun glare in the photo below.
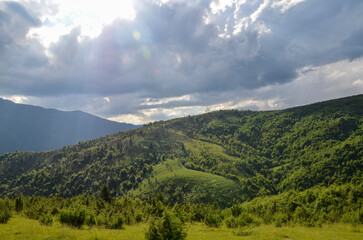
x=91, y=16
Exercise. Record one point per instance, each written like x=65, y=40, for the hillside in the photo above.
x=245, y=153
x=29, y=128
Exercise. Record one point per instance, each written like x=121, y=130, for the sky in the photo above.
x=139, y=61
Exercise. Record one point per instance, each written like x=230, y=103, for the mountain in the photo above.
x=30, y=128
x=221, y=157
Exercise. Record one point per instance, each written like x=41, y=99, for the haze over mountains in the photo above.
x=213, y=157
x=30, y=128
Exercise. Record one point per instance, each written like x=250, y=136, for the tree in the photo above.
x=105, y=193
x=167, y=227
x=19, y=203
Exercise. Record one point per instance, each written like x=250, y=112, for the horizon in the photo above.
x=327, y=100
x=140, y=61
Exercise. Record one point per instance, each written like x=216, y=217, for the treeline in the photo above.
x=311, y=208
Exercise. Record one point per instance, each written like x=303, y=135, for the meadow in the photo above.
x=20, y=227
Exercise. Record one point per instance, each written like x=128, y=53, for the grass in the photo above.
x=26, y=229
x=172, y=172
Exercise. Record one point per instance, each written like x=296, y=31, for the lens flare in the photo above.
x=146, y=53
x=136, y=35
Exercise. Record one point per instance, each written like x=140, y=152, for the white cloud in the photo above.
x=286, y=4
x=15, y=98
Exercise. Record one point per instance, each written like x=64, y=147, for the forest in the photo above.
x=239, y=170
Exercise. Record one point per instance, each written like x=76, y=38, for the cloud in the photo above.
x=179, y=57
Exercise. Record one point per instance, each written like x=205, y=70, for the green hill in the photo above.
x=181, y=184
x=213, y=157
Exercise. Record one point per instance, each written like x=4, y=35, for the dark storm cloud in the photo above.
x=183, y=48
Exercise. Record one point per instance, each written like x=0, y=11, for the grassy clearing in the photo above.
x=204, y=186
x=197, y=147
x=25, y=229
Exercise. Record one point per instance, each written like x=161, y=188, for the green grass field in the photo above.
x=21, y=228
x=203, y=185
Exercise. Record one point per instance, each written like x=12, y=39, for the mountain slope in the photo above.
x=30, y=128
x=250, y=153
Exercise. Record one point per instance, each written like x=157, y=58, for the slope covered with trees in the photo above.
x=249, y=154
x=30, y=128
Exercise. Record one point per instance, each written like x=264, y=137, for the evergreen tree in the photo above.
x=105, y=193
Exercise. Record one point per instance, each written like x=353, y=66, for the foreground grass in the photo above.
x=23, y=228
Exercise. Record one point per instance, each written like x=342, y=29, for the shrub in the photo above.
x=115, y=222
x=90, y=220
x=46, y=220
x=73, y=217
x=100, y=220
x=280, y=219
x=35, y=211
x=246, y=219
x=213, y=220
x=168, y=227
x=236, y=210
x=5, y=212
x=231, y=222
x=5, y=215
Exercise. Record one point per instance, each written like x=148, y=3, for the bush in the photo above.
x=213, y=220
x=231, y=222
x=115, y=222
x=168, y=227
x=5, y=215
x=73, y=217
x=280, y=219
x=246, y=219
x=46, y=220
x=90, y=220
x=35, y=211
x=5, y=212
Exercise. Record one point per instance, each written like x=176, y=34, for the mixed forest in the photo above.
x=238, y=169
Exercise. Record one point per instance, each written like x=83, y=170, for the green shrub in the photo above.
x=73, y=217
x=100, y=220
x=35, y=211
x=213, y=220
x=90, y=220
x=168, y=227
x=46, y=220
x=5, y=214
x=246, y=219
x=115, y=222
x=231, y=222
x=236, y=210
x=280, y=219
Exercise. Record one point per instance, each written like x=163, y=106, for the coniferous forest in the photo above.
x=231, y=170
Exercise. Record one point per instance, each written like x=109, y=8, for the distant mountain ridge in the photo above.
x=31, y=128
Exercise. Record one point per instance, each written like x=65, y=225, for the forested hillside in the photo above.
x=30, y=128
x=221, y=157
